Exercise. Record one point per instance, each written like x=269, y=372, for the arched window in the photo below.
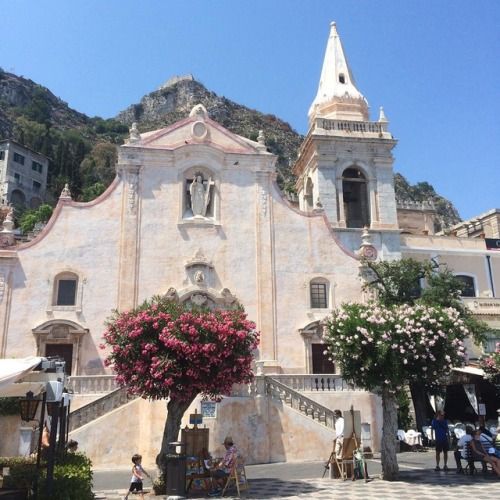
x=308, y=197
x=65, y=289
x=18, y=198
x=319, y=290
x=468, y=285
x=356, y=208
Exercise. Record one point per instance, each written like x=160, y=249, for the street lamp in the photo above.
x=28, y=406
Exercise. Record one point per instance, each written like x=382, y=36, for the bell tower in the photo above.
x=345, y=164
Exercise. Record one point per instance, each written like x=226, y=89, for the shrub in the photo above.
x=22, y=472
x=72, y=479
x=9, y=406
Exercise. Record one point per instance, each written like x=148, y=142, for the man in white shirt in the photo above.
x=339, y=433
x=460, y=453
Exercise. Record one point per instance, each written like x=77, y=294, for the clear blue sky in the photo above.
x=433, y=65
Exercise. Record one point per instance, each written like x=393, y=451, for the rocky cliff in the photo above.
x=81, y=148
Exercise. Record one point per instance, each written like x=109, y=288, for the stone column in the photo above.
x=130, y=234
x=266, y=282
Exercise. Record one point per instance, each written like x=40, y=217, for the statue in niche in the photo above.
x=199, y=277
x=200, y=195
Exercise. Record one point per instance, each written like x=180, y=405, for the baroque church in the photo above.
x=195, y=213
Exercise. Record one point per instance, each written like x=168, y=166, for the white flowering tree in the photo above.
x=384, y=348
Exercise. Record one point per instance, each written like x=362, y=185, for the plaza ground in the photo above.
x=418, y=480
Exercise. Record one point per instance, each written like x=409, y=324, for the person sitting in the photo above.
x=479, y=451
x=222, y=470
x=461, y=451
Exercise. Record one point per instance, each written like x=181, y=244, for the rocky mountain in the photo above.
x=174, y=100
x=83, y=149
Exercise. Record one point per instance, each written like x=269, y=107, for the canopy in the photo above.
x=471, y=370
x=12, y=370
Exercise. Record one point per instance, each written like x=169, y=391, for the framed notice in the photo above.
x=481, y=409
x=209, y=409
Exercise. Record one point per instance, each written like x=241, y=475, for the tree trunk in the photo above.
x=390, y=467
x=175, y=412
x=419, y=398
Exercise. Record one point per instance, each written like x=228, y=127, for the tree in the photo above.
x=382, y=348
x=30, y=218
x=164, y=350
x=490, y=363
x=398, y=282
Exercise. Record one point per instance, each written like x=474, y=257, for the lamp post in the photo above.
x=28, y=407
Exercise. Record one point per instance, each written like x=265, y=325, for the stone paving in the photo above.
x=417, y=480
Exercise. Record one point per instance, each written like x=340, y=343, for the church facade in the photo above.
x=195, y=213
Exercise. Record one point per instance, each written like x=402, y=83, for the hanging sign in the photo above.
x=470, y=390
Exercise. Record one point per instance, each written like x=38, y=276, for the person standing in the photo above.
x=339, y=433
x=441, y=435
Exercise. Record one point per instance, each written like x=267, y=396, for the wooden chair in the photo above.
x=237, y=477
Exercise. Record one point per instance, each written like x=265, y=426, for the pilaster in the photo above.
x=266, y=291
x=130, y=234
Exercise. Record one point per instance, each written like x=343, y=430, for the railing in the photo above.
x=351, y=126
x=298, y=401
x=92, y=384
x=97, y=408
x=321, y=383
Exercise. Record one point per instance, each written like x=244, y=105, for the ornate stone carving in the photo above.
x=172, y=294
x=227, y=296
x=199, y=277
x=133, y=186
x=198, y=299
x=2, y=286
x=367, y=251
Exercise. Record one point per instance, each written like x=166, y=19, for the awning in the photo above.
x=471, y=370
x=19, y=389
x=12, y=370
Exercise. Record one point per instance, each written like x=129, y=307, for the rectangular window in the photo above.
x=19, y=158
x=2, y=155
x=36, y=186
x=37, y=167
x=490, y=343
x=66, y=293
x=318, y=296
x=17, y=178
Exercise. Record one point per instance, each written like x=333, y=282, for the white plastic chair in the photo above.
x=401, y=435
x=459, y=433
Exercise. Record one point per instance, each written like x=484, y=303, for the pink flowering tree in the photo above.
x=164, y=350
x=490, y=363
x=382, y=349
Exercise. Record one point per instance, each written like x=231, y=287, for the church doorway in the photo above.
x=64, y=351
x=320, y=361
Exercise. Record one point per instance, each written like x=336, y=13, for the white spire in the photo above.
x=337, y=97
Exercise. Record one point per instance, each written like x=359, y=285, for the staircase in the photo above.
x=99, y=407
x=286, y=388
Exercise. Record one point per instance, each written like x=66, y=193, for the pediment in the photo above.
x=195, y=130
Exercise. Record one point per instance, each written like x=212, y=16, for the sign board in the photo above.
x=195, y=418
x=482, y=409
x=209, y=409
x=492, y=244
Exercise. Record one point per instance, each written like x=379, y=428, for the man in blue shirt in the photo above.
x=441, y=435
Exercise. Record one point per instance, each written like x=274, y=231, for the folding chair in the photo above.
x=237, y=477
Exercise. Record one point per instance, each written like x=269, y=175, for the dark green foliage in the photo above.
x=404, y=418
x=92, y=192
x=29, y=218
x=398, y=282
x=72, y=476
x=9, y=406
x=22, y=472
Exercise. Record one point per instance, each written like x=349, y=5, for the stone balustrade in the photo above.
x=91, y=384
x=351, y=126
x=97, y=408
x=298, y=401
x=315, y=382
